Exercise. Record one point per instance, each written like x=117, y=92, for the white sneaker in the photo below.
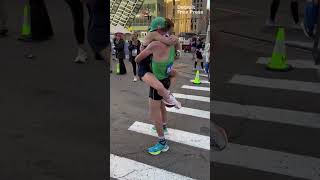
x=172, y=102
x=135, y=79
x=81, y=57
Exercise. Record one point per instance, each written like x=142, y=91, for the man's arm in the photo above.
x=145, y=53
x=155, y=36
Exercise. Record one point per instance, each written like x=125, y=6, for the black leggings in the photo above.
x=294, y=10
x=134, y=65
x=76, y=7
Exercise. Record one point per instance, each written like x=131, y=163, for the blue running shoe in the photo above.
x=165, y=130
x=158, y=148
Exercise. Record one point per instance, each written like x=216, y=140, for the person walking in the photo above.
x=134, y=50
x=3, y=18
x=120, y=52
x=310, y=18
x=76, y=7
x=274, y=9
x=199, y=54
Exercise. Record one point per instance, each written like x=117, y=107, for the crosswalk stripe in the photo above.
x=298, y=118
x=179, y=136
x=202, y=81
x=303, y=64
x=199, y=88
x=269, y=161
x=126, y=169
x=293, y=85
x=191, y=97
x=191, y=112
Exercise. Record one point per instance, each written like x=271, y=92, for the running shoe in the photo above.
x=219, y=140
x=158, y=148
x=165, y=130
x=171, y=102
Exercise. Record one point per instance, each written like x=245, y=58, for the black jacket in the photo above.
x=119, y=47
x=131, y=47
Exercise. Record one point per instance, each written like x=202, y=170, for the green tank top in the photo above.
x=162, y=69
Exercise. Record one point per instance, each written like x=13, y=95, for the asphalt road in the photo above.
x=53, y=120
x=129, y=103
x=265, y=142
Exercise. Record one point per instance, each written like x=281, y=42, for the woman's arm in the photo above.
x=170, y=41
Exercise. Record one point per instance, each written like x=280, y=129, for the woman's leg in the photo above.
x=295, y=10
x=3, y=16
x=273, y=9
x=76, y=8
x=195, y=63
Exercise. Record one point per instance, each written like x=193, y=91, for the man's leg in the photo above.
x=273, y=9
x=295, y=10
x=155, y=115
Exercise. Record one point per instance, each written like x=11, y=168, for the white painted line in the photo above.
x=126, y=169
x=191, y=112
x=183, y=137
x=269, y=161
x=191, y=97
x=297, y=118
x=302, y=64
x=199, y=88
x=202, y=81
x=293, y=85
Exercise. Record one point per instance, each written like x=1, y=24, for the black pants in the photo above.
x=41, y=28
x=294, y=10
x=76, y=8
x=134, y=65
x=123, y=69
x=98, y=30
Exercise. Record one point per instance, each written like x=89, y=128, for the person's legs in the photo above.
x=195, y=63
x=76, y=8
x=273, y=9
x=3, y=18
x=155, y=115
x=123, y=69
x=134, y=67
x=295, y=11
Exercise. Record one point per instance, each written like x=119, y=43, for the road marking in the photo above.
x=191, y=112
x=202, y=81
x=199, y=88
x=307, y=45
x=126, y=169
x=293, y=85
x=303, y=64
x=298, y=118
x=191, y=97
x=183, y=137
x=269, y=161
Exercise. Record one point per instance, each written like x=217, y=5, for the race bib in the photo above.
x=169, y=68
x=134, y=52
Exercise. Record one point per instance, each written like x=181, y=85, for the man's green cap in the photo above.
x=157, y=23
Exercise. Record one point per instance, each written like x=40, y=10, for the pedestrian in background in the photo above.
x=41, y=28
x=134, y=50
x=310, y=18
x=274, y=9
x=76, y=7
x=120, y=52
x=3, y=18
x=199, y=54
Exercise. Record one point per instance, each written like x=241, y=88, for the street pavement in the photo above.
x=131, y=135
x=53, y=120
x=272, y=118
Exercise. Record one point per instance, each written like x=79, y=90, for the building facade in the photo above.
x=189, y=16
x=149, y=10
x=123, y=12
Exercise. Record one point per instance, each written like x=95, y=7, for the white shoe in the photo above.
x=81, y=57
x=135, y=79
x=172, y=102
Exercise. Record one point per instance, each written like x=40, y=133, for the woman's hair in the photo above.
x=169, y=24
